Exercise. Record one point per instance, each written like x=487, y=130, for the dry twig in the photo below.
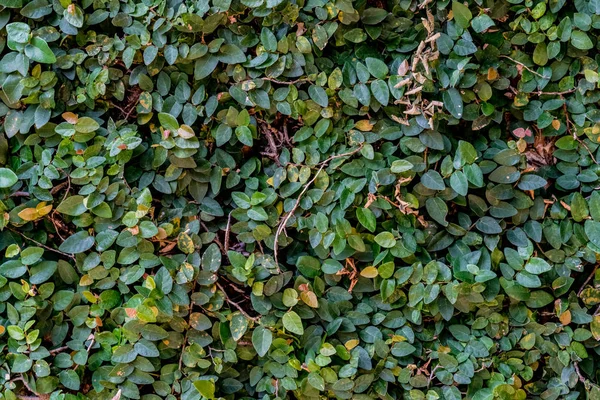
x=236, y=305
x=526, y=67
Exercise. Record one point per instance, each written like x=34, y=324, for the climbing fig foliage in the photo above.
x=299, y=199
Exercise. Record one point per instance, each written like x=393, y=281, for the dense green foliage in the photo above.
x=299, y=199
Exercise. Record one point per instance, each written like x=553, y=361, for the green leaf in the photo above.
x=69, y=379
x=231, y=54
x=39, y=51
x=21, y=364
x=77, y=243
x=366, y=218
x=453, y=101
x=72, y=205
x=579, y=208
x=540, y=54
x=206, y=388
x=539, y=299
x=204, y=66
x=244, y=135
x=592, y=231
x=581, y=40
x=355, y=35
x=86, y=125
x=402, y=349
x=380, y=91
x=462, y=14
x=459, y=183
x=211, y=259
x=200, y=322
x=433, y=180
x=399, y=166
x=437, y=209
x=385, y=239
x=238, y=326
x=18, y=32
x=537, y=266
x=7, y=178
x=488, y=225
x=373, y=16
x=74, y=15
x=293, y=323
x=268, y=39
x=168, y=121
x=377, y=68
x=481, y=23
x=315, y=380
x=261, y=340
x=318, y=95
x=308, y=266
x=531, y=182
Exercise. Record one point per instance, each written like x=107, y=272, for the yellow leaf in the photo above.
x=44, y=210
x=595, y=327
x=350, y=344
x=369, y=272
x=86, y=280
x=29, y=214
x=521, y=145
x=556, y=124
x=364, y=125
x=185, y=243
x=492, y=74
x=565, y=318
x=90, y=297
x=310, y=298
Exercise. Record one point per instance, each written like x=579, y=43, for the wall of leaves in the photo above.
x=299, y=199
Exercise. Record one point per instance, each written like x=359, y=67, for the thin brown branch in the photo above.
x=71, y=256
x=432, y=375
x=227, y=231
x=53, y=191
x=59, y=350
x=579, y=375
x=59, y=187
x=19, y=194
x=53, y=351
x=587, y=280
x=236, y=305
x=574, y=133
x=21, y=378
x=285, y=219
x=301, y=80
x=272, y=153
x=526, y=67
x=542, y=93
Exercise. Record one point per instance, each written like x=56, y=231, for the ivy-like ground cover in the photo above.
x=299, y=199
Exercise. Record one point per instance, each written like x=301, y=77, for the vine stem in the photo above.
x=526, y=67
x=71, y=256
x=236, y=305
x=285, y=219
x=301, y=80
x=587, y=280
